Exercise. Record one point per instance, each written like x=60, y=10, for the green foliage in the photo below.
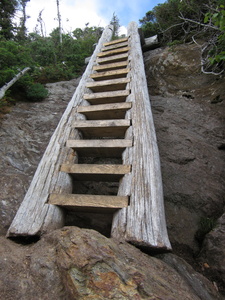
x=116, y=26
x=165, y=19
x=217, y=18
x=36, y=92
x=7, y=12
x=49, y=60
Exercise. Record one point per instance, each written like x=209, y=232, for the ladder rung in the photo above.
x=91, y=172
x=80, y=202
x=105, y=111
x=108, y=85
x=107, y=97
x=99, y=148
x=110, y=74
x=116, y=42
x=102, y=128
x=115, y=46
x=112, y=59
x=109, y=67
x=113, y=52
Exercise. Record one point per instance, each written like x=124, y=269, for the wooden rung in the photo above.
x=115, y=46
x=87, y=172
x=109, y=67
x=110, y=74
x=99, y=148
x=105, y=111
x=107, y=97
x=84, y=203
x=112, y=59
x=113, y=52
x=115, y=42
x=108, y=85
x=102, y=128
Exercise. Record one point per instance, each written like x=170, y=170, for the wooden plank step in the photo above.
x=109, y=67
x=86, y=203
x=102, y=128
x=105, y=111
x=110, y=74
x=87, y=172
x=113, y=52
x=115, y=42
x=107, y=97
x=99, y=148
x=115, y=46
x=112, y=59
x=108, y=85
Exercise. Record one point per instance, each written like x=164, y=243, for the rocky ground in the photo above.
x=73, y=263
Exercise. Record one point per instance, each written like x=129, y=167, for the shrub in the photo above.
x=36, y=92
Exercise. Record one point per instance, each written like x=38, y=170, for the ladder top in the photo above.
x=116, y=41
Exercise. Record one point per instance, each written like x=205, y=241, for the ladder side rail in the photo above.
x=143, y=221
x=34, y=216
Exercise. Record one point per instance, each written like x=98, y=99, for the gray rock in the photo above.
x=24, y=135
x=212, y=255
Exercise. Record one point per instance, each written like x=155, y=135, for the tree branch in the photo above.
x=199, y=23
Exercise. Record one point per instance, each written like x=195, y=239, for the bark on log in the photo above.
x=34, y=216
x=9, y=84
x=143, y=221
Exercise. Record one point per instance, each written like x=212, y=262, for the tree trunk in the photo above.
x=143, y=221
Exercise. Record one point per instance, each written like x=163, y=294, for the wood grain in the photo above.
x=105, y=111
x=143, y=222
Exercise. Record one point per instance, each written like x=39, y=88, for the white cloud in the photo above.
x=74, y=14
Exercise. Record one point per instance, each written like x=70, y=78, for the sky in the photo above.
x=77, y=13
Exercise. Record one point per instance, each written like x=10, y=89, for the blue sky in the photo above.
x=76, y=13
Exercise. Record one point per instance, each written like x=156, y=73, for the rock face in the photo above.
x=24, y=135
x=75, y=263
x=188, y=109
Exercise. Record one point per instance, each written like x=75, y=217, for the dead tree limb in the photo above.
x=10, y=83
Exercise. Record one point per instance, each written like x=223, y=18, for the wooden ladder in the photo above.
x=109, y=117
x=103, y=132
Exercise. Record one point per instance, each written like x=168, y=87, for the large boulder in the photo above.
x=189, y=125
x=74, y=263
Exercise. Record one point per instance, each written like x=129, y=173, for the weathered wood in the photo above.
x=92, y=172
x=34, y=217
x=99, y=148
x=115, y=42
x=109, y=67
x=11, y=82
x=84, y=202
x=107, y=97
x=115, y=46
x=143, y=222
x=102, y=128
x=112, y=59
x=108, y=85
x=105, y=111
x=121, y=73
x=113, y=52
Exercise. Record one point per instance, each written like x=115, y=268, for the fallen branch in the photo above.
x=9, y=84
